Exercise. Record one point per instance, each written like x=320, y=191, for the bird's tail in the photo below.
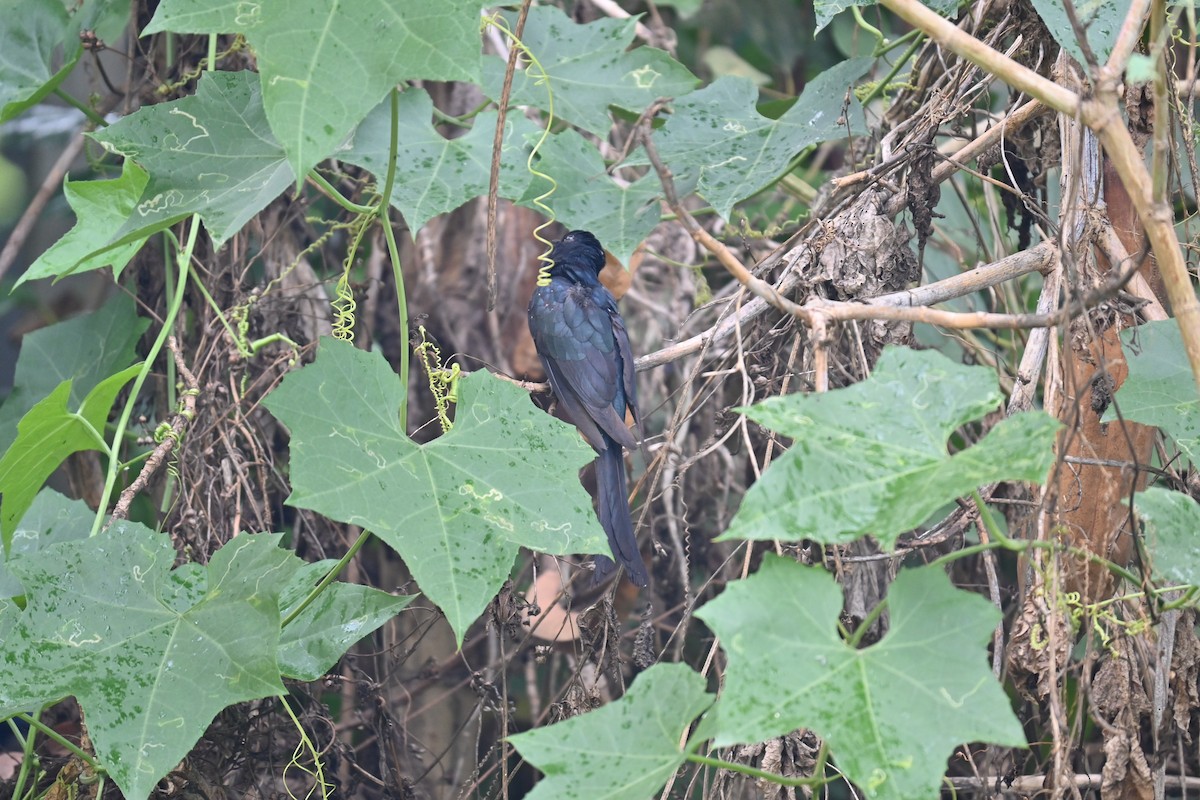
x=612, y=507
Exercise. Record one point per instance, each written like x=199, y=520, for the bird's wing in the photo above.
x=576, y=340
x=629, y=378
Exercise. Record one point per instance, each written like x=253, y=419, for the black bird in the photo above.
x=581, y=340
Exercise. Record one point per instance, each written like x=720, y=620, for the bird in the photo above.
x=584, y=348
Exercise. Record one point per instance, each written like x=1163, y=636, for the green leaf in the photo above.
x=457, y=508
x=826, y=10
x=1101, y=19
x=685, y=8
x=590, y=69
x=717, y=142
x=46, y=436
x=892, y=713
x=1171, y=521
x=325, y=65
x=872, y=458
x=51, y=518
x=436, y=174
x=587, y=198
x=625, y=750
x=212, y=154
x=1160, y=390
x=84, y=349
x=31, y=32
x=341, y=615
x=151, y=658
x=100, y=207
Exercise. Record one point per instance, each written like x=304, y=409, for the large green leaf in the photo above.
x=46, y=435
x=623, y=751
x=826, y=10
x=84, y=350
x=212, y=154
x=1101, y=20
x=1172, y=520
x=1160, y=390
x=325, y=65
x=51, y=518
x=152, y=655
x=872, y=458
x=100, y=207
x=435, y=174
x=31, y=32
x=341, y=615
x=587, y=198
x=717, y=142
x=456, y=508
x=589, y=68
x=892, y=713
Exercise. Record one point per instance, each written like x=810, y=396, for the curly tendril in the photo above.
x=541, y=78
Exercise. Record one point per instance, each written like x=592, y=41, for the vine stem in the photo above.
x=754, y=772
x=381, y=211
x=385, y=205
x=34, y=722
x=110, y=480
x=329, y=578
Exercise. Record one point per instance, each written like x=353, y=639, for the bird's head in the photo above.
x=579, y=256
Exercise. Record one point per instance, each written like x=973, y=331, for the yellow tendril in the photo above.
x=541, y=78
x=443, y=383
x=343, y=303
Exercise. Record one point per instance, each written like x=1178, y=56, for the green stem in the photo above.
x=50, y=733
x=394, y=255
x=88, y=112
x=176, y=302
x=865, y=625
x=991, y=526
x=461, y=122
x=28, y=761
x=780, y=780
x=329, y=578
x=881, y=87
x=880, y=39
x=95, y=434
x=208, y=298
x=337, y=196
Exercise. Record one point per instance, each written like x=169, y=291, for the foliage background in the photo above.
x=1100, y=671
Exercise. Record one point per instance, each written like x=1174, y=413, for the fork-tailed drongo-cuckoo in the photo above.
x=584, y=348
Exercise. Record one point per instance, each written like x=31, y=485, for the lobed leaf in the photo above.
x=624, y=751
x=211, y=154
x=46, y=435
x=872, y=458
x=892, y=713
x=718, y=143
x=589, y=69
x=84, y=350
x=32, y=31
x=436, y=174
x=1170, y=522
x=456, y=509
x=341, y=615
x=100, y=207
x=1159, y=390
x=152, y=655
x=326, y=65
x=587, y=198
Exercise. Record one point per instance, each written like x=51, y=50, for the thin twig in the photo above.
x=497, y=146
x=49, y=187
